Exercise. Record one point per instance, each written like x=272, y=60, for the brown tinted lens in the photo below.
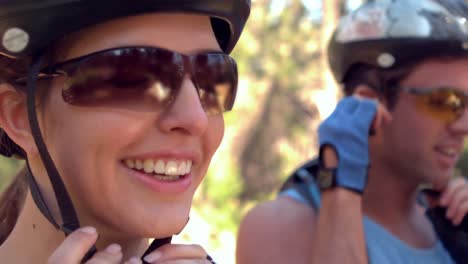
x=446, y=105
x=134, y=78
x=215, y=76
x=148, y=78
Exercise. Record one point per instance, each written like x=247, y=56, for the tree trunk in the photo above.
x=331, y=15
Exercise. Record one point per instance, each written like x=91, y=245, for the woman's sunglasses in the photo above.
x=146, y=78
x=444, y=103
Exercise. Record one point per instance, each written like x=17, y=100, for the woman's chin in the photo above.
x=160, y=228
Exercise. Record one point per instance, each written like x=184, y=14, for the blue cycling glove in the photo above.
x=347, y=130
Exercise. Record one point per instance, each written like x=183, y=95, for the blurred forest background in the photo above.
x=285, y=91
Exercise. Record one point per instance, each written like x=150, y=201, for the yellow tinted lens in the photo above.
x=446, y=105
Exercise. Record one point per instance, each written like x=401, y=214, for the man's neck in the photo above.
x=391, y=202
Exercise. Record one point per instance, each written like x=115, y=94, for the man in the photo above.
x=404, y=65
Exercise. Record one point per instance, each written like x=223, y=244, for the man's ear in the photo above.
x=365, y=91
x=14, y=117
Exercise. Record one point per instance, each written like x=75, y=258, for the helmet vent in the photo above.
x=385, y=60
x=15, y=39
x=463, y=24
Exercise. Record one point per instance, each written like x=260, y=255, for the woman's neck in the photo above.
x=34, y=238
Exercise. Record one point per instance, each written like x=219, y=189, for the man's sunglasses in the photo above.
x=146, y=78
x=444, y=103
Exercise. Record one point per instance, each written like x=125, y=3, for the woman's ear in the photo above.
x=365, y=91
x=14, y=117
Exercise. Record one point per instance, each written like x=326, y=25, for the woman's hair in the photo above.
x=12, y=198
x=11, y=203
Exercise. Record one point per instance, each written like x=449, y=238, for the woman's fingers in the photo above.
x=75, y=246
x=178, y=254
x=134, y=260
x=185, y=261
x=111, y=255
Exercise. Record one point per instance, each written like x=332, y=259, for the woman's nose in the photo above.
x=185, y=113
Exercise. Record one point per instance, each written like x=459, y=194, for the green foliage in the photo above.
x=462, y=165
x=8, y=169
x=216, y=200
x=279, y=56
x=271, y=129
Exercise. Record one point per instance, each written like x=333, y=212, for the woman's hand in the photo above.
x=77, y=244
x=455, y=198
x=178, y=254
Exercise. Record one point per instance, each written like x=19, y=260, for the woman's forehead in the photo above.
x=168, y=31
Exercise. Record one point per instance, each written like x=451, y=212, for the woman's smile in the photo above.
x=163, y=173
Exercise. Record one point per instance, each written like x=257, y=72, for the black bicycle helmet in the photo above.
x=29, y=27
x=390, y=33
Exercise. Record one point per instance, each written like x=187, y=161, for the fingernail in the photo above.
x=134, y=261
x=114, y=249
x=88, y=230
x=153, y=256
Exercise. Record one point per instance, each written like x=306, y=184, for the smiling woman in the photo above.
x=117, y=113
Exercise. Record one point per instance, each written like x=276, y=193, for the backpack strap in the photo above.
x=454, y=238
x=301, y=180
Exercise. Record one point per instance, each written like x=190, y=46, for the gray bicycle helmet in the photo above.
x=390, y=33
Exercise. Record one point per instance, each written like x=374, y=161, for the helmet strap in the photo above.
x=37, y=196
x=67, y=211
x=69, y=217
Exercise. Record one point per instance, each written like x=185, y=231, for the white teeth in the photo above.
x=130, y=163
x=450, y=151
x=159, y=167
x=138, y=164
x=182, y=168
x=169, y=170
x=189, y=167
x=148, y=166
